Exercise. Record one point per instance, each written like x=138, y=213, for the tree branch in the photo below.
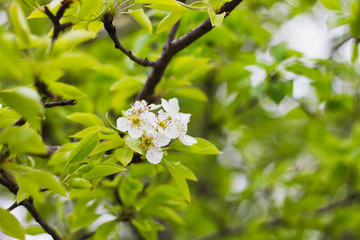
x=174, y=46
x=60, y=103
x=111, y=30
x=58, y=27
x=9, y=182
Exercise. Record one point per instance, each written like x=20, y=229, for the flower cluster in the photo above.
x=156, y=131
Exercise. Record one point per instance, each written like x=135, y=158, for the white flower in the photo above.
x=137, y=119
x=179, y=120
x=152, y=143
x=165, y=125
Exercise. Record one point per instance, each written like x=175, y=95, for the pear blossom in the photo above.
x=180, y=120
x=137, y=119
x=156, y=131
x=152, y=143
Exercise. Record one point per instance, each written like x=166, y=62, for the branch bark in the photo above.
x=111, y=30
x=8, y=181
x=174, y=46
x=58, y=27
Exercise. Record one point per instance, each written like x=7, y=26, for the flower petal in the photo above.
x=154, y=155
x=187, y=140
x=123, y=124
x=161, y=140
x=135, y=132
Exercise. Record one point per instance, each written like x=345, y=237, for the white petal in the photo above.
x=135, y=132
x=162, y=115
x=161, y=140
x=154, y=155
x=187, y=140
x=154, y=106
x=171, y=131
x=174, y=103
x=165, y=105
x=123, y=124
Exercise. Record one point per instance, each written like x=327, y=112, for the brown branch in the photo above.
x=341, y=203
x=58, y=27
x=13, y=206
x=10, y=183
x=174, y=46
x=60, y=103
x=111, y=30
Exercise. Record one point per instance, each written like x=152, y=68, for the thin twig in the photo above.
x=60, y=103
x=58, y=27
x=111, y=30
x=13, y=206
x=175, y=46
x=14, y=188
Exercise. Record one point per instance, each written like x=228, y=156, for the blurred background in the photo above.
x=275, y=88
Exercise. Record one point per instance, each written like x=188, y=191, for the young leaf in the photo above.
x=66, y=90
x=108, y=145
x=124, y=155
x=86, y=119
x=45, y=179
x=10, y=225
x=179, y=180
x=103, y=170
x=168, y=21
x=84, y=148
x=186, y=172
x=190, y=93
x=89, y=8
x=80, y=183
x=332, y=4
x=71, y=39
x=142, y=19
x=355, y=53
x=19, y=23
x=25, y=101
x=216, y=19
x=134, y=144
x=201, y=147
x=129, y=189
x=22, y=140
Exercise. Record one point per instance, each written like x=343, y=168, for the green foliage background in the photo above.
x=281, y=174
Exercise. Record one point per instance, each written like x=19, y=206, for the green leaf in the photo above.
x=47, y=180
x=124, y=155
x=73, y=61
x=70, y=39
x=102, y=170
x=179, y=180
x=186, y=172
x=19, y=23
x=168, y=21
x=134, y=144
x=332, y=4
x=201, y=147
x=355, y=53
x=108, y=145
x=27, y=187
x=190, y=93
x=142, y=19
x=104, y=230
x=86, y=119
x=216, y=19
x=95, y=26
x=110, y=134
x=66, y=90
x=84, y=147
x=166, y=5
x=26, y=102
x=129, y=189
x=22, y=140
x=89, y=8
x=10, y=225
x=80, y=183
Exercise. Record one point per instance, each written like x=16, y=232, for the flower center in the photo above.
x=135, y=121
x=147, y=142
x=162, y=124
